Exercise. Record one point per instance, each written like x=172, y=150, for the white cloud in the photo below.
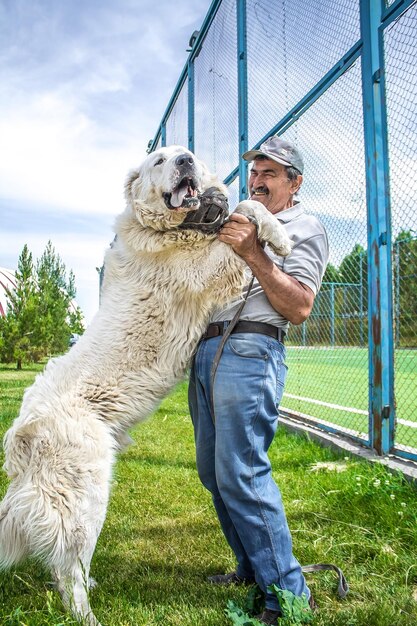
x=80, y=99
x=83, y=88
x=50, y=155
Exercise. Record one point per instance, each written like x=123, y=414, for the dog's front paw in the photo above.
x=250, y=208
x=280, y=242
x=269, y=228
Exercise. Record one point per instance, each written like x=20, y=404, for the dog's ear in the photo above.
x=132, y=177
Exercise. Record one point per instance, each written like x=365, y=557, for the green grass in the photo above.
x=340, y=376
x=161, y=537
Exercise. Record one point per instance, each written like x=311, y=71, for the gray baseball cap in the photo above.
x=278, y=150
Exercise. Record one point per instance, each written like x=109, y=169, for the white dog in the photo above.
x=160, y=286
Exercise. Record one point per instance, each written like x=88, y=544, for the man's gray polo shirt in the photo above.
x=306, y=262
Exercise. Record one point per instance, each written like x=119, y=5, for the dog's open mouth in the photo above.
x=184, y=195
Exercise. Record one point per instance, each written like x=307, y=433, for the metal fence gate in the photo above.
x=339, y=79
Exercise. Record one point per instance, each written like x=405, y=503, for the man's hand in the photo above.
x=287, y=295
x=242, y=235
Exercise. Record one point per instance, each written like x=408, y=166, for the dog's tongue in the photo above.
x=177, y=197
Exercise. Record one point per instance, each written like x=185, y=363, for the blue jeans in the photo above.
x=232, y=459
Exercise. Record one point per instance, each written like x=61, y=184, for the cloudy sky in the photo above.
x=83, y=87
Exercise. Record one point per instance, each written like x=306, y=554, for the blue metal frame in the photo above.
x=185, y=74
x=242, y=73
x=309, y=99
x=190, y=73
x=374, y=19
x=409, y=456
x=380, y=334
x=393, y=12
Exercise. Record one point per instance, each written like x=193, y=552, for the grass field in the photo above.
x=161, y=537
x=331, y=384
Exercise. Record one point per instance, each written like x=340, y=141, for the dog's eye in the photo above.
x=159, y=162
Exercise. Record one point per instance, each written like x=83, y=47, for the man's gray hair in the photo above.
x=292, y=173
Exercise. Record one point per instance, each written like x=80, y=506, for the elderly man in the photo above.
x=232, y=449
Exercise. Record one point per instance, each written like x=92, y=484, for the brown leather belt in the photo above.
x=243, y=326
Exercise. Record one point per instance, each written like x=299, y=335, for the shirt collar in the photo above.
x=289, y=214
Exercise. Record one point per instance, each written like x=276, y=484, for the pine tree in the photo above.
x=331, y=275
x=55, y=295
x=17, y=329
x=39, y=320
x=353, y=268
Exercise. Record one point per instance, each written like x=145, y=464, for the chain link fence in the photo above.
x=401, y=89
x=177, y=123
x=338, y=78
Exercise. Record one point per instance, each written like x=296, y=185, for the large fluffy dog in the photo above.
x=160, y=285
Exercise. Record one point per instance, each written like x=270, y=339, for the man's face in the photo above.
x=269, y=184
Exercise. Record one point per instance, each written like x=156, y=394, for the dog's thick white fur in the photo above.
x=160, y=286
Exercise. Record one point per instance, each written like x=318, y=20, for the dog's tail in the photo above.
x=25, y=506
x=13, y=543
x=13, y=509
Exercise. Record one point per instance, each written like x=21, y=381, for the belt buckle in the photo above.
x=214, y=330
x=218, y=329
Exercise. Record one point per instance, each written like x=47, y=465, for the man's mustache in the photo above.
x=259, y=191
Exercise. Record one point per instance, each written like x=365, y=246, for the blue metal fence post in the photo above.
x=361, y=313
x=242, y=74
x=163, y=133
x=190, y=71
x=397, y=278
x=381, y=361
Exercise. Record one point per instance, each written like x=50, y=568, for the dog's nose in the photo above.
x=184, y=159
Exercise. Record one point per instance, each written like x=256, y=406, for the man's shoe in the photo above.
x=230, y=579
x=269, y=617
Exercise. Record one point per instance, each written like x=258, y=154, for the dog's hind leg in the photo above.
x=74, y=592
x=71, y=567
x=73, y=583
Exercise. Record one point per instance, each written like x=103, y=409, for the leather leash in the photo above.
x=228, y=331
x=342, y=587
